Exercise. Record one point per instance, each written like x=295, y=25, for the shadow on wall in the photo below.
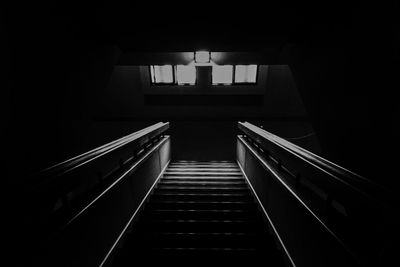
x=215, y=140
x=299, y=132
x=203, y=140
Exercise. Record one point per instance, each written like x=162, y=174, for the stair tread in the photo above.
x=204, y=221
x=204, y=173
x=209, y=248
x=164, y=182
x=203, y=169
x=202, y=188
x=211, y=178
x=201, y=195
x=198, y=210
x=201, y=202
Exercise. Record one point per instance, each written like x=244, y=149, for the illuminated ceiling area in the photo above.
x=200, y=72
x=221, y=74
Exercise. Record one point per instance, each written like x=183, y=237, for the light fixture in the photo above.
x=202, y=57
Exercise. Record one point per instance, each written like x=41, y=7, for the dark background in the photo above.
x=61, y=60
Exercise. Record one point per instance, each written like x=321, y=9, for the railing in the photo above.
x=65, y=199
x=137, y=140
x=342, y=207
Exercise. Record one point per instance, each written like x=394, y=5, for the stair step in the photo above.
x=201, y=161
x=201, y=166
x=204, y=167
x=202, y=188
x=205, y=240
x=201, y=183
x=202, y=196
x=208, y=249
x=202, y=173
x=204, y=225
x=186, y=214
x=218, y=256
x=202, y=178
x=197, y=240
x=202, y=205
x=210, y=256
x=192, y=168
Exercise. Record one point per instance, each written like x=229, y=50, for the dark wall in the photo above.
x=346, y=80
x=57, y=74
x=52, y=103
x=203, y=139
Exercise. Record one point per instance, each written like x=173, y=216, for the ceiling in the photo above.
x=167, y=27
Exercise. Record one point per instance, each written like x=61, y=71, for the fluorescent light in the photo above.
x=222, y=74
x=202, y=57
x=246, y=74
x=186, y=74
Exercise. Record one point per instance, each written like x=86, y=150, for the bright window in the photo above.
x=222, y=74
x=162, y=74
x=245, y=73
x=185, y=74
x=202, y=57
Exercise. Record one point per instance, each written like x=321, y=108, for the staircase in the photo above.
x=202, y=212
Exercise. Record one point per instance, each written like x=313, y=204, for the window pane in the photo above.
x=162, y=74
x=222, y=74
x=246, y=74
x=186, y=74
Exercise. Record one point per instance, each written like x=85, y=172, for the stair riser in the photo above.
x=201, y=227
x=200, y=241
x=160, y=196
x=200, y=215
x=202, y=173
x=206, y=178
x=202, y=189
x=202, y=206
x=202, y=183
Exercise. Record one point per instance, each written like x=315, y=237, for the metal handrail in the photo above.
x=339, y=199
x=346, y=177
x=66, y=196
x=140, y=137
x=81, y=179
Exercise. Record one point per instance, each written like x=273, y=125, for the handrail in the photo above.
x=297, y=197
x=65, y=184
x=67, y=196
x=339, y=199
x=114, y=183
x=350, y=179
x=141, y=137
